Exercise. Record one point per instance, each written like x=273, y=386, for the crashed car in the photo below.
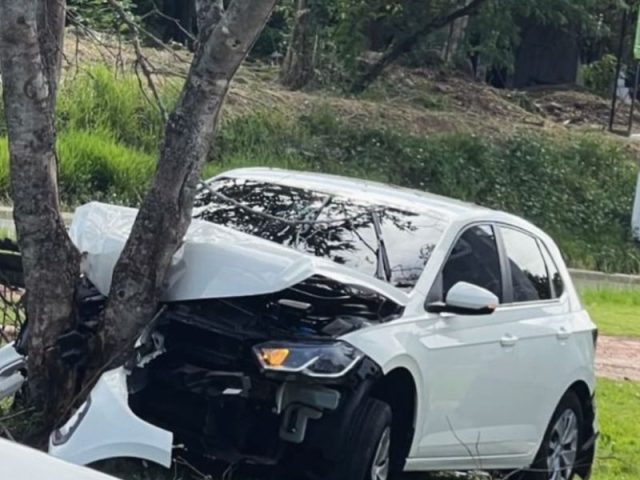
x=346, y=330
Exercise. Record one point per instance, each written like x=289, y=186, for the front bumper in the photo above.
x=254, y=422
x=12, y=365
x=109, y=429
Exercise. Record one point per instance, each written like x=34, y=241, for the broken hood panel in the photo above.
x=213, y=262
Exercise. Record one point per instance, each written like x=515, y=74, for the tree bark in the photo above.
x=165, y=214
x=50, y=22
x=30, y=70
x=457, y=31
x=297, y=69
x=406, y=42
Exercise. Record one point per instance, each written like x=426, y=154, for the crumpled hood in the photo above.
x=213, y=262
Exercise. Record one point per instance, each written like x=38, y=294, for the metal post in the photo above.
x=614, y=99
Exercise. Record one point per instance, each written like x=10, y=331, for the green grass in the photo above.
x=619, y=444
x=616, y=312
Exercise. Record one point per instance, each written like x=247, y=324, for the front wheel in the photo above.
x=367, y=450
x=562, y=442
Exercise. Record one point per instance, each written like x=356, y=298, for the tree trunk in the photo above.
x=405, y=42
x=30, y=66
x=457, y=30
x=165, y=214
x=50, y=20
x=298, y=69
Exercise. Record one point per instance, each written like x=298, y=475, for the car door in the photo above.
x=540, y=317
x=472, y=365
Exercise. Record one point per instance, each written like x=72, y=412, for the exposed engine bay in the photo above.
x=209, y=387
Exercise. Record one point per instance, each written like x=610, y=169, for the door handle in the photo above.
x=563, y=334
x=508, y=340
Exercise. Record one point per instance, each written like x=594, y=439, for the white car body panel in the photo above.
x=468, y=349
x=11, y=378
x=213, y=262
x=18, y=462
x=475, y=376
x=110, y=429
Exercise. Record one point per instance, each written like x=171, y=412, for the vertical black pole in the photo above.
x=614, y=99
x=634, y=97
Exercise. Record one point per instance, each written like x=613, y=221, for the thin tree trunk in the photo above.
x=457, y=31
x=165, y=214
x=406, y=42
x=297, y=69
x=50, y=20
x=30, y=70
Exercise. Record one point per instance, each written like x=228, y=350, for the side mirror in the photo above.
x=466, y=299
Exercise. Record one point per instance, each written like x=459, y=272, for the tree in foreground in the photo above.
x=31, y=43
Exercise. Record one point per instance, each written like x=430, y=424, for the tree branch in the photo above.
x=406, y=42
x=165, y=214
x=141, y=59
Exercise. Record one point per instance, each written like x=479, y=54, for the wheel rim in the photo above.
x=563, y=446
x=382, y=458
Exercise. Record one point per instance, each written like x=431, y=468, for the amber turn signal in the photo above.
x=274, y=357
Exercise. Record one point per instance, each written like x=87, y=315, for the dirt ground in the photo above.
x=618, y=358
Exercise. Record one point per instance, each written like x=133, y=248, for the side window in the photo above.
x=554, y=273
x=529, y=274
x=474, y=259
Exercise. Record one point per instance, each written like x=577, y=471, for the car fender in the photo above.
x=386, y=347
x=107, y=428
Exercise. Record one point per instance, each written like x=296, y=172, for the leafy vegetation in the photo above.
x=616, y=312
x=598, y=75
x=619, y=443
x=578, y=187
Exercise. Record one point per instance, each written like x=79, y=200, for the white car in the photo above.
x=348, y=330
x=21, y=463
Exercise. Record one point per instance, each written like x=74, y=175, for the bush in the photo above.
x=97, y=99
x=599, y=75
x=580, y=189
x=93, y=166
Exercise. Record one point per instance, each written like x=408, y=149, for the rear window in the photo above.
x=326, y=225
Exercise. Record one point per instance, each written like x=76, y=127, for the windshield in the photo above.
x=379, y=240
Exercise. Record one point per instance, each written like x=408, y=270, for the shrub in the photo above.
x=599, y=75
x=98, y=99
x=93, y=166
x=579, y=189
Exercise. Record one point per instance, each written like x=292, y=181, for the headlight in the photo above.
x=62, y=434
x=322, y=360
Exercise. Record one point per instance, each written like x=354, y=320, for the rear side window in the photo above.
x=529, y=275
x=554, y=273
x=474, y=259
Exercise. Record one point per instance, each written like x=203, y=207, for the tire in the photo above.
x=366, y=438
x=562, y=443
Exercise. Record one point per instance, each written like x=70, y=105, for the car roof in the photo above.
x=374, y=192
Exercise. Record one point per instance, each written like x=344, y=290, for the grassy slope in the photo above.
x=615, y=312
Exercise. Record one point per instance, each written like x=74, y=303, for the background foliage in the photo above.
x=109, y=134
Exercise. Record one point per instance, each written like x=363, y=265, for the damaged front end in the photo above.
x=239, y=379
x=244, y=360
x=243, y=378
